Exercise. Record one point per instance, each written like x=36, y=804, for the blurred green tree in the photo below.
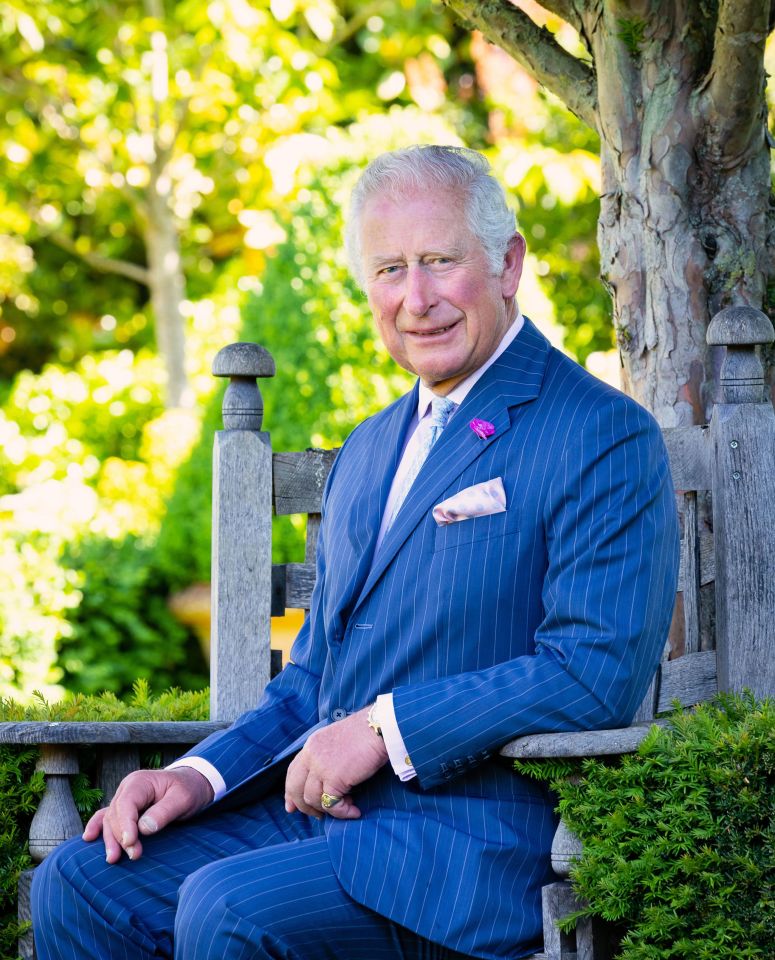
x=269, y=110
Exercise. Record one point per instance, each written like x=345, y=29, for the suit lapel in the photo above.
x=515, y=378
x=367, y=493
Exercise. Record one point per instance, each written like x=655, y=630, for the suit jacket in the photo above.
x=550, y=616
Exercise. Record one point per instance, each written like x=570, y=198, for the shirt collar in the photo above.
x=458, y=394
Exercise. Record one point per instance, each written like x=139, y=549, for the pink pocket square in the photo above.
x=481, y=500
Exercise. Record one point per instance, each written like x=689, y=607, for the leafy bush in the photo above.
x=678, y=837
x=21, y=787
x=123, y=627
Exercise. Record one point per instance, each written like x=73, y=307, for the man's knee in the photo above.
x=64, y=862
x=222, y=907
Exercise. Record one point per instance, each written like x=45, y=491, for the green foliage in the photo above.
x=20, y=790
x=632, y=33
x=678, y=837
x=116, y=630
x=21, y=787
x=86, y=457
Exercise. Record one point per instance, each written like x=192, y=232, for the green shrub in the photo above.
x=21, y=787
x=678, y=837
x=123, y=627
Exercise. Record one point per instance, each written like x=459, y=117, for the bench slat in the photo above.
x=298, y=480
x=690, y=679
x=109, y=731
x=299, y=584
x=689, y=452
x=584, y=743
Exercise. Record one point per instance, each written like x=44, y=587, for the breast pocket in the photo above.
x=477, y=528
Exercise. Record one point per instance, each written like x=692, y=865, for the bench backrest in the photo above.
x=723, y=635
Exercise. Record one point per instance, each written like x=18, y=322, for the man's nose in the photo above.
x=419, y=295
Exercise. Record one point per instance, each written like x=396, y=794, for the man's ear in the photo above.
x=512, y=266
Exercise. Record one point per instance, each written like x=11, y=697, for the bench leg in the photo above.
x=26, y=943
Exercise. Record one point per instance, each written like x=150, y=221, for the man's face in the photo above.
x=438, y=309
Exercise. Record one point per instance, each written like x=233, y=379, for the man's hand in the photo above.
x=146, y=801
x=334, y=760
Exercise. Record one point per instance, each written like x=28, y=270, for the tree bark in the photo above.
x=684, y=221
x=167, y=285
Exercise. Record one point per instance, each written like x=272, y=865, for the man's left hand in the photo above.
x=334, y=760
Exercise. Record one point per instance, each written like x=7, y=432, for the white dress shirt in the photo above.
x=384, y=713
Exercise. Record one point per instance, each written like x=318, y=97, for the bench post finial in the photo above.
x=242, y=536
x=743, y=437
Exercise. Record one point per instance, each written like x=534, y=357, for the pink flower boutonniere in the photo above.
x=482, y=428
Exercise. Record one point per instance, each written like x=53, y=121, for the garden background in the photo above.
x=172, y=178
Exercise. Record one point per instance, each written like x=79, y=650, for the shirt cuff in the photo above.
x=207, y=770
x=385, y=716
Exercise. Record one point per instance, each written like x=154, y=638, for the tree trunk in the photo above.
x=676, y=90
x=683, y=221
x=167, y=286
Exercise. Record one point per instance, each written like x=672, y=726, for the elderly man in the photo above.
x=498, y=556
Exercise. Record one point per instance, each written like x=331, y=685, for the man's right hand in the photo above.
x=145, y=802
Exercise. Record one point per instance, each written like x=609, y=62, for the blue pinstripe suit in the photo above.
x=550, y=616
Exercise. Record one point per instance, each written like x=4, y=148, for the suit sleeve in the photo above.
x=288, y=707
x=612, y=542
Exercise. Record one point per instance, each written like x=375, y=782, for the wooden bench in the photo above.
x=723, y=636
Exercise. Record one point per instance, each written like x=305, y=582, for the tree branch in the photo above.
x=536, y=50
x=564, y=9
x=733, y=100
x=98, y=262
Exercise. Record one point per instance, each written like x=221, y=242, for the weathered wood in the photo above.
x=566, y=849
x=585, y=743
x=744, y=524
x=243, y=407
x=242, y=571
x=141, y=732
x=311, y=543
x=690, y=556
x=56, y=818
x=706, y=559
x=689, y=450
x=689, y=680
x=299, y=584
x=299, y=479
x=115, y=763
x=558, y=900
x=26, y=946
x=647, y=708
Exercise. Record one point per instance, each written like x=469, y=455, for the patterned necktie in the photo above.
x=441, y=410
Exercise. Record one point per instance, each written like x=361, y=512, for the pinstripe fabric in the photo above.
x=245, y=886
x=548, y=616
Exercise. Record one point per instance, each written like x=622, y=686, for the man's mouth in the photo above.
x=434, y=333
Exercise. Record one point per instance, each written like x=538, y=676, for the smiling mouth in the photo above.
x=434, y=333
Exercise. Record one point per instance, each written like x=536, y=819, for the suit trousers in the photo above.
x=240, y=885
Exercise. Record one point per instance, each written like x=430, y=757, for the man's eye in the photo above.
x=441, y=261
x=392, y=268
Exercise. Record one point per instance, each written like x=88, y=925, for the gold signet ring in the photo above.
x=328, y=800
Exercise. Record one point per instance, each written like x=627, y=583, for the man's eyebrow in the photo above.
x=382, y=259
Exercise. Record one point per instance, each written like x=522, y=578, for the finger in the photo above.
x=345, y=809
x=113, y=849
x=125, y=812
x=313, y=795
x=93, y=828
x=295, y=782
x=158, y=815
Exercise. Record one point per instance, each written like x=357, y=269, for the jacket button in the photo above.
x=338, y=713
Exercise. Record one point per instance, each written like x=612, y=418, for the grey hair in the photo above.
x=421, y=166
